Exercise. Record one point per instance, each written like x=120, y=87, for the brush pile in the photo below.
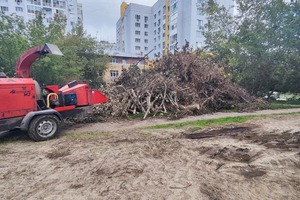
x=183, y=83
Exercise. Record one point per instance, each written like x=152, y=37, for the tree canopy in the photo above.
x=260, y=43
x=83, y=57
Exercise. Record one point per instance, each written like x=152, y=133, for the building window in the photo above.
x=146, y=19
x=35, y=2
x=154, y=39
x=159, y=12
x=138, y=17
x=159, y=45
x=19, y=9
x=114, y=60
x=137, y=48
x=154, y=16
x=60, y=12
x=174, y=7
x=146, y=48
x=154, y=24
x=138, y=32
x=174, y=26
x=200, y=24
x=18, y=1
x=4, y=8
x=200, y=11
x=137, y=40
x=198, y=34
x=114, y=73
x=146, y=33
x=30, y=9
x=47, y=3
x=173, y=39
x=60, y=4
x=146, y=40
x=146, y=25
x=137, y=25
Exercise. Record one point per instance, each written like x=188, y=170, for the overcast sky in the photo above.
x=100, y=16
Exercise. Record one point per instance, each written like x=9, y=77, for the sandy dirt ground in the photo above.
x=259, y=159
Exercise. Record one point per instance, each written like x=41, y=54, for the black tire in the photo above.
x=44, y=127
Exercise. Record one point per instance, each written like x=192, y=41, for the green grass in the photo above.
x=199, y=124
x=279, y=105
x=136, y=116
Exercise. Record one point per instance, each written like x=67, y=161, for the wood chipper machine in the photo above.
x=40, y=111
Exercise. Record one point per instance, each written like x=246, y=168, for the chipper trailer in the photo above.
x=40, y=111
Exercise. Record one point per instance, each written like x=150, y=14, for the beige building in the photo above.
x=120, y=61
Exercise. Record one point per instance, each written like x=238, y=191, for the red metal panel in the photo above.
x=28, y=57
x=17, y=97
x=52, y=88
x=64, y=108
x=81, y=90
x=98, y=97
x=85, y=96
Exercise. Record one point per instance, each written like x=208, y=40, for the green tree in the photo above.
x=83, y=57
x=12, y=42
x=37, y=31
x=259, y=43
x=51, y=69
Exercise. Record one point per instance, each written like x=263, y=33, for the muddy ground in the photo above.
x=259, y=159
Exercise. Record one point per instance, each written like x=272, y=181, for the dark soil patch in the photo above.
x=284, y=140
x=252, y=173
x=76, y=186
x=58, y=154
x=228, y=131
x=232, y=154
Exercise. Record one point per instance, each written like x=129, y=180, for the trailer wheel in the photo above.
x=44, y=127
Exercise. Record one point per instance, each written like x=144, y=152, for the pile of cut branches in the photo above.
x=182, y=84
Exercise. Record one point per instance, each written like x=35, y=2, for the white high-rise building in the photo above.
x=28, y=9
x=163, y=27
